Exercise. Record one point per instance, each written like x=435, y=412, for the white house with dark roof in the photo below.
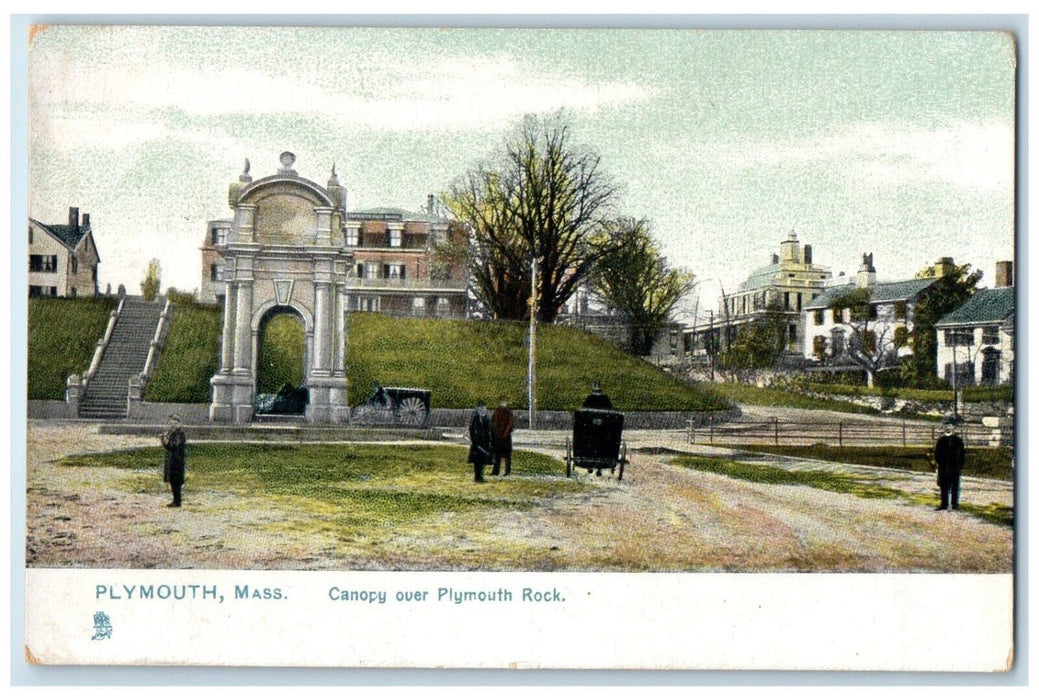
x=976, y=340
x=831, y=332
x=63, y=258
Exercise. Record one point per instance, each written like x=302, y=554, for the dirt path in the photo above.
x=662, y=517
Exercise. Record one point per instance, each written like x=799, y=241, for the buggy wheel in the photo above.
x=623, y=460
x=569, y=459
x=411, y=411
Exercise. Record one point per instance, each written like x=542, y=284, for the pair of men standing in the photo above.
x=490, y=439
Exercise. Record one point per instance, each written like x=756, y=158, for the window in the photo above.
x=959, y=338
x=394, y=271
x=869, y=341
x=74, y=292
x=792, y=332
x=819, y=346
x=216, y=272
x=351, y=236
x=368, y=304
x=395, y=237
x=819, y=316
x=443, y=306
x=901, y=309
x=990, y=335
x=786, y=300
x=40, y=291
x=75, y=265
x=30, y=235
x=43, y=263
x=368, y=270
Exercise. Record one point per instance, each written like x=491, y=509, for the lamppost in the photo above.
x=531, y=377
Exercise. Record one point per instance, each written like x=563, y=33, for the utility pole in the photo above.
x=533, y=340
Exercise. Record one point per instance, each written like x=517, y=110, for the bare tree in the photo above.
x=543, y=200
x=869, y=344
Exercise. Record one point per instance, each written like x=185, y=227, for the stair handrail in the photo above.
x=154, y=348
x=102, y=343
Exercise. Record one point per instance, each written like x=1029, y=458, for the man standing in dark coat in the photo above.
x=502, y=422
x=481, y=451
x=175, y=444
x=949, y=455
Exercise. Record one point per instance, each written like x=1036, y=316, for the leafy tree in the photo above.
x=152, y=280
x=758, y=344
x=633, y=277
x=541, y=198
x=944, y=296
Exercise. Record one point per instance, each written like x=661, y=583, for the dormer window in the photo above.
x=395, y=236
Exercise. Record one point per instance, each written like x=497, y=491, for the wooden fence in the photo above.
x=840, y=433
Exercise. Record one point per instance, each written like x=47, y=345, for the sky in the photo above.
x=897, y=143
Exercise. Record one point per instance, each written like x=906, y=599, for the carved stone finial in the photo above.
x=287, y=158
x=245, y=176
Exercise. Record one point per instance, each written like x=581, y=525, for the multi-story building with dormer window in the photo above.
x=63, y=258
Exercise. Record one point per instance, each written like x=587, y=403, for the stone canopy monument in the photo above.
x=284, y=254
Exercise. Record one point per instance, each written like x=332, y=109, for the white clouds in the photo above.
x=970, y=156
x=408, y=96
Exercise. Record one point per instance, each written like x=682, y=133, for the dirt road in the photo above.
x=662, y=517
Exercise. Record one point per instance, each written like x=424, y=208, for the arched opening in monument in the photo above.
x=281, y=363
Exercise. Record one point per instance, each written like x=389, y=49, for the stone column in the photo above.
x=243, y=333
x=322, y=321
x=227, y=338
x=339, y=348
x=243, y=315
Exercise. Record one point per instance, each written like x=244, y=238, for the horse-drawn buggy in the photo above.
x=395, y=405
x=596, y=443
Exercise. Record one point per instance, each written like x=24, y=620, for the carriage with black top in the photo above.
x=596, y=444
x=395, y=405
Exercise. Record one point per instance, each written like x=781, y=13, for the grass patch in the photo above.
x=988, y=462
x=62, y=336
x=970, y=395
x=191, y=356
x=767, y=396
x=348, y=490
x=462, y=362
x=859, y=486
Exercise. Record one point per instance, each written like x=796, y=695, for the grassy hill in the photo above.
x=62, y=337
x=191, y=355
x=461, y=362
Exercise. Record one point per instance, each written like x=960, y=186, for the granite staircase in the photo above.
x=124, y=357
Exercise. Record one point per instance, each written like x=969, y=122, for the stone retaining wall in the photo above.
x=198, y=414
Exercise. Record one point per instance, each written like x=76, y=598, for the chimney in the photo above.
x=74, y=217
x=808, y=255
x=1005, y=273
x=944, y=266
x=429, y=204
x=86, y=221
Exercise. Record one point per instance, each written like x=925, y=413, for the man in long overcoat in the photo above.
x=949, y=455
x=502, y=423
x=175, y=444
x=481, y=450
